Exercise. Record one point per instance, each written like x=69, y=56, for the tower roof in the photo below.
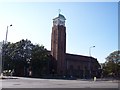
x=60, y=16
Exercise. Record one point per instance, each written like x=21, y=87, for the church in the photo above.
x=66, y=64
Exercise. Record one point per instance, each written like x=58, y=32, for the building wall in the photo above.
x=69, y=64
x=82, y=66
x=58, y=47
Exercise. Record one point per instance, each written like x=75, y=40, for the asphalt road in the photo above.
x=54, y=83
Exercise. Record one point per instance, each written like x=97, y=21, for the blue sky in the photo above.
x=88, y=24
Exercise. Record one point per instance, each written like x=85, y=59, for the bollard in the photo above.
x=94, y=78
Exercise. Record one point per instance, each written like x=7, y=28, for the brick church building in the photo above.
x=69, y=64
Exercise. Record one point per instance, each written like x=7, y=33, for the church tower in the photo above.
x=58, y=43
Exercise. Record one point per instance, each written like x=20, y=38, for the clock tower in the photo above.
x=58, y=43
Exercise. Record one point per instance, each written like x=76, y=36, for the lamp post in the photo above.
x=7, y=33
x=0, y=59
x=90, y=50
x=4, y=52
x=90, y=60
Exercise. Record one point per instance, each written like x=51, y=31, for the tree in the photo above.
x=112, y=65
x=40, y=61
x=16, y=56
x=23, y=57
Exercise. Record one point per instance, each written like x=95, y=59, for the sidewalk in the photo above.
x=98, y=79
x=8, y=77
x=102, y=80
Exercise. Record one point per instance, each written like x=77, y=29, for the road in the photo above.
x=55, y=83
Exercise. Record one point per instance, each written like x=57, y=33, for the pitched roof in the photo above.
x=76, y=57
x=60, y=16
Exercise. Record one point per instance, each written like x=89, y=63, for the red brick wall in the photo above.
x=58, y=47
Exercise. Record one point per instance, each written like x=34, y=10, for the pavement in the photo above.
x=22, y=82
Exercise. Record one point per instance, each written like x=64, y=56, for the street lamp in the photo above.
x=90, y=50
x=90, y=72
x=7, y=33
x=2, y=51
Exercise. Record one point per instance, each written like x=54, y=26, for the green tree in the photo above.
x=23, y=57
x=112, y=65
x=16, y=56
x=40, y=61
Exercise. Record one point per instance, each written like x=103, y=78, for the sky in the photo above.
x=87, y=24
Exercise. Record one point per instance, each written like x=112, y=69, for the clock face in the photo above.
x=59, y=22
x=54, y=22
x=62, y=22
